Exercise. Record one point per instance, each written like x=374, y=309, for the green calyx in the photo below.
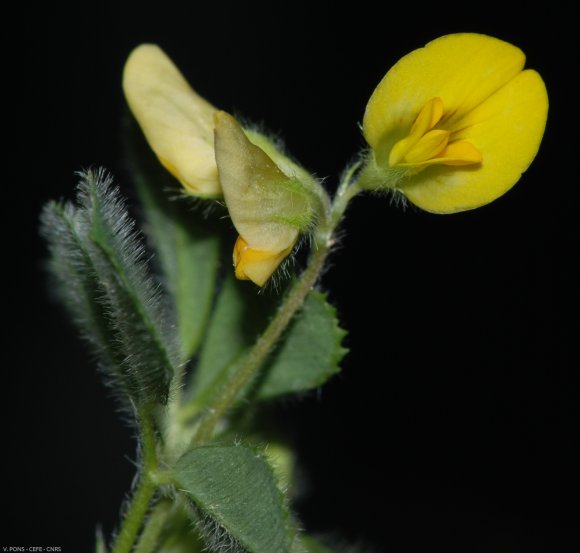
x=375, y=176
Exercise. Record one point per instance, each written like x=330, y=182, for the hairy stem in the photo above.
x=231, y=391
x=155, y=523
x=144, y=490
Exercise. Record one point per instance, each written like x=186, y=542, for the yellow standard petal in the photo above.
x=454, y=124
x=268, y=207
x=177, y=122
x=507, y=129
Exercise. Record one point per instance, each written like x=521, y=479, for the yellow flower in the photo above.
x=453, y=125
x=269, y=207
x=177, y=122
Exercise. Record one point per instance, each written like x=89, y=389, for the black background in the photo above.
x=454, y=425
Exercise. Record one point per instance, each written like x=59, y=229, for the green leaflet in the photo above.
x=98, y=263
x=308, y=354
x=78, y=286
x=188, y=245
x=236, y=490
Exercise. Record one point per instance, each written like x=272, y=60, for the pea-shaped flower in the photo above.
x=453, y=125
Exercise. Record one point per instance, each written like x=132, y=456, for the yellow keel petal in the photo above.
x=256, y=265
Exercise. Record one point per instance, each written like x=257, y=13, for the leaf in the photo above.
x=309, y=353
x=237, y=490
x=239, y=316
x=99, y=263
x=132, y=298
x=188, y=246
x=77, y=284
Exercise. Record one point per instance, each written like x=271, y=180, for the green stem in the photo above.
x=155, y=523
x=346, y=179
x=144, y=490
x=230, y=392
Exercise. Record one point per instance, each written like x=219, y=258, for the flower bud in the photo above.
x=268, y=206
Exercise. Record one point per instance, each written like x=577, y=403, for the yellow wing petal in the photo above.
x=507, y=129
x=461, y=69
x=177, y=122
